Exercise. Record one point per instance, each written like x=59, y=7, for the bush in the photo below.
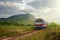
x=53, y=24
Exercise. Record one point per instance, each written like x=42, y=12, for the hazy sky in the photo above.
x=46, y=9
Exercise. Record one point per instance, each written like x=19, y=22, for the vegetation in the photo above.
x=51, y=33
x=53, y=24
x=16, y=24
x=40, y=35
x=25, y=22
x=22, y=19
x=11, y=30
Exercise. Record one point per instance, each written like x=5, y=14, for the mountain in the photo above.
x=21, y=19
x=1, y=19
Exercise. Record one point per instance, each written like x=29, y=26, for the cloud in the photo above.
x=15, y=8
x=17, y=1
x=10, y=0
x=38, y=3
x=45, y=3
x=27, y=1
x=46, y=9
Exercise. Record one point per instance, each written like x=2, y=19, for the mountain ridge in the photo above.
x=19, y=19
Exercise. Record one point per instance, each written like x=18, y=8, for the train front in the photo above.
x=40, y=24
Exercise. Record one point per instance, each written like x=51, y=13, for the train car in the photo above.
x=40, y=24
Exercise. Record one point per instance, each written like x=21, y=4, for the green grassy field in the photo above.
x=48, y=34
x=51, y=33
x=38, y=36
x=10, y=30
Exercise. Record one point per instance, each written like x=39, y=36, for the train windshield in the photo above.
x=39, y=20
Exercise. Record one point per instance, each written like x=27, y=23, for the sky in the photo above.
x=48, y=10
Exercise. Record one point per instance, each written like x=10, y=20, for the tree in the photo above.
x=53, y=24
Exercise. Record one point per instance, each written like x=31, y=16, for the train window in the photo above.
x=39, y=20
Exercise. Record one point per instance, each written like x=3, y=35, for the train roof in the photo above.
x=40, y=20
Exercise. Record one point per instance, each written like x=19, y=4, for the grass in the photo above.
x=10, y=30
x=48, y=34
x=40, y=35
x=51, y=33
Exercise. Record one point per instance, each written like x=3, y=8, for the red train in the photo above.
x=40, y=24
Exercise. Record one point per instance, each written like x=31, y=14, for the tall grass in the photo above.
x=10, y=30
x=51, y=33
x=40, y=35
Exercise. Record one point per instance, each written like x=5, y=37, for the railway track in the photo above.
x=19, y=36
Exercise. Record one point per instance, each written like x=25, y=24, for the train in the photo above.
x=40, y=24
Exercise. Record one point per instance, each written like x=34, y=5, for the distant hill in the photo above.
x=1, y=19
x=21, y=19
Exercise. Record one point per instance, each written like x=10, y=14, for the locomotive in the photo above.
x=40, y=24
